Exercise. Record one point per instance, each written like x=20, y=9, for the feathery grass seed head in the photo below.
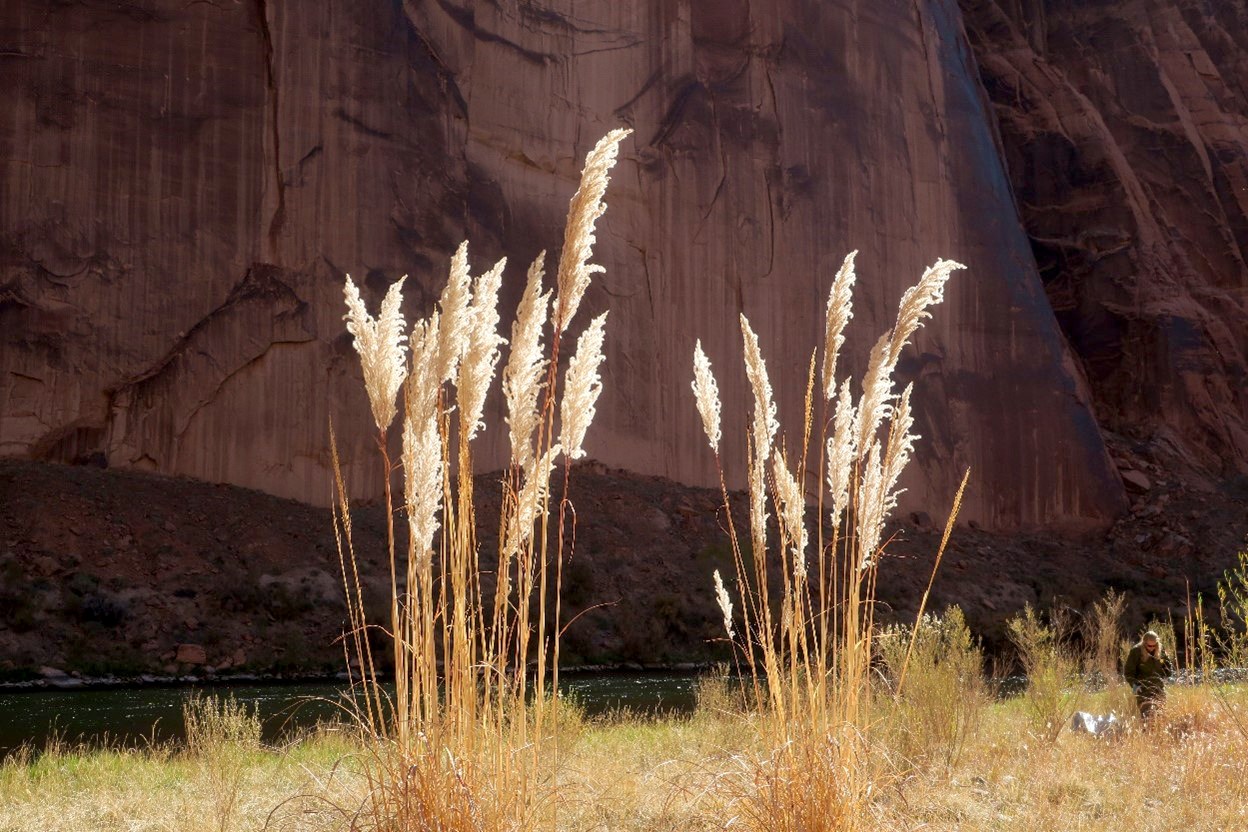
x=841, y=452
x=840, y=310
x=877, y=385
x=869, y=506
x=764, y=429
x=453, y=304
x=581, y=388
x=578, y=238
x=529, y=500
x=765, y=424
x=725, y=603
x=792, y=512
x=706, y=391
x=380, y=344
x=897, y=451
x=422, y=444
x=523, y=375
x=915, y=301
x=476, y=371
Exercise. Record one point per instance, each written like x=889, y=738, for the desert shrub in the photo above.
x=1054, y=686
x=1103, y=637
x=1232, y=639
x=940, y=707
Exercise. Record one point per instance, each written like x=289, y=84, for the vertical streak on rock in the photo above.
x=270, y=77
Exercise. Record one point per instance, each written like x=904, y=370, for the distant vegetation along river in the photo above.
x=136, y=716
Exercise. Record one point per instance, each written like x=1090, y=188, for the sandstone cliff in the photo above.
x=1125, y=128
x=182, y=188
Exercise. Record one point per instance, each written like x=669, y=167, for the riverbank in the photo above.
x=630, y=773
x=124, y=716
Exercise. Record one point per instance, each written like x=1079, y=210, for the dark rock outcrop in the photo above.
x=1125, y=129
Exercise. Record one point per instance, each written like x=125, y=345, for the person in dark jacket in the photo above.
x=1146, y=671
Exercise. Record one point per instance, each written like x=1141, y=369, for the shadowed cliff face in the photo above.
x=1125, y=127
x=183, y=188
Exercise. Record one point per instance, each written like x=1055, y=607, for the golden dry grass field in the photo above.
x=632, y=772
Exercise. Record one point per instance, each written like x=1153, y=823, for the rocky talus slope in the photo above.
x=125, y=573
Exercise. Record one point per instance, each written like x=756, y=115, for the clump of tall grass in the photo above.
x=222, y=735
x=467, y=739
x=808, y=648
x=939, y=710
x=1055, y=687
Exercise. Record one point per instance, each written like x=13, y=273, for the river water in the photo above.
x=140, y=715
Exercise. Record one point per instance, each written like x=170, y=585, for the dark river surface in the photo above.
x=139, y=715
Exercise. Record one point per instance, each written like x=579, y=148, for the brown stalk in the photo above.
x=940, y=553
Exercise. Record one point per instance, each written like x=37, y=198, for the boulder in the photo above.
x=1136, y=481
x=191, y=654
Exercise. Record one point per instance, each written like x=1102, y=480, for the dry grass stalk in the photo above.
x=459, y=746
x=811, y=658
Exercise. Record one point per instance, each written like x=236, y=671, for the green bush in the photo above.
x=938, y=708
x=1054, y=687
x=1233, y=600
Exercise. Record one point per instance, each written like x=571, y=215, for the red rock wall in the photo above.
x=182, y=188
x=1125, y=127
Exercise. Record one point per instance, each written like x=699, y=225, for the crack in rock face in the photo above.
x=290, y=145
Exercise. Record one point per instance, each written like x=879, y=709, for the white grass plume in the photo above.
x=869, y=506
x=840, y=310
x=584, y=210
x=581, y=388
x=523, y=377
x=764, y=429
x=792, y=502
x=481, y=355
x=764, y=423
x=529, y=500
x=380, y=344
x=915, y=302
x=841, y=453
x=877, y=387
x=877, y=384
x=706, y=391
x=897, y=451
x=422, y=444
x=455, y=326
x=877, y=496
x=725, y=603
